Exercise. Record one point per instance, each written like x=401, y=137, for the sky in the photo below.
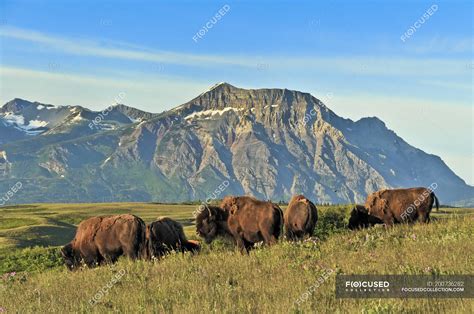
x=410, y=63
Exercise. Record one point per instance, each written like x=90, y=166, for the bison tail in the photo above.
x=435, y=201
x=278, y=221
x=148, y=245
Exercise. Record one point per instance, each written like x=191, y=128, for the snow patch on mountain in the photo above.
x=18, y=121
x=211, y=112
x=12, y=118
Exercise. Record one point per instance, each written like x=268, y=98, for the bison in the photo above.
x=251, y=220
x=300, y=218
x=104, y=239
x=246, y=219
x=211, y=221
x=402, y=205
x=165, y=235
x=360, y=218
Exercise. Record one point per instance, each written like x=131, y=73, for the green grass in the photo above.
x=10, y=223
x=220, y=279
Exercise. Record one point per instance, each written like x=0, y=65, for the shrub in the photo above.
x=33, y=259
x=330, y=220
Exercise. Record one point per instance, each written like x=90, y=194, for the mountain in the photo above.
x=270, y=143
x=21, y=119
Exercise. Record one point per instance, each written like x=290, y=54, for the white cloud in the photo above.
x=366, y=65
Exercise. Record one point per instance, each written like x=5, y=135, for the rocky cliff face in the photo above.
x=270, y=143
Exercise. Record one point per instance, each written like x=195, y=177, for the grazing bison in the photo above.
x=360, y=218
x=402, y=205
x=251, y=221
x=166, y=235
x=211, y=221
x=103, y=239
x=245, y=223
x=300, y=218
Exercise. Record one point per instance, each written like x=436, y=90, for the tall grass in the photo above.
x=268, y=280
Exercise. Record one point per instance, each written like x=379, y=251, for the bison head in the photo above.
x=359, y=217
x=67, y=253
x=208, y=222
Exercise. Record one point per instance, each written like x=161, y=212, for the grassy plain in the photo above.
x=220, y=279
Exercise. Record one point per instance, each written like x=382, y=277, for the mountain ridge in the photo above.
x=270, y=143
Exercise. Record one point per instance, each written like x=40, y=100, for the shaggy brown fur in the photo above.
x=402, y=205
x=300, y=217
x=165, y=235
x=104, y=239
x=251, y=220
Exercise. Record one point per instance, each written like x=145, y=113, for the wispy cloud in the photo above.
x=450, y=85
x=92, y=48
x=443, y=45
x=364, y=65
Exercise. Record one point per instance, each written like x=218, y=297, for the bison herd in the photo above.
x=248, y=221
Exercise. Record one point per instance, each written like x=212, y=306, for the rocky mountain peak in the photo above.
x=271, y=143
x=260, y=104
x=16, y=105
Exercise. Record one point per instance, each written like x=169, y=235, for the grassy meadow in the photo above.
x=220, y=279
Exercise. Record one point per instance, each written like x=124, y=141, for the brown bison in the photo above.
x=246, y=219
x=104, y=239
x=166, y=235
x=300, y=218
x=360, y=218
x=402, y=205
x=251, y=220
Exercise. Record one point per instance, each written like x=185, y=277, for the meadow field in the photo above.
x=220, y=279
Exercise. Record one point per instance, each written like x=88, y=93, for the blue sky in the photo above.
x=86, y=53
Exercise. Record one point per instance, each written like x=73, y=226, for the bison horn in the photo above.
x=209, y=210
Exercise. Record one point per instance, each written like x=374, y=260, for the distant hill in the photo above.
x=270, y=143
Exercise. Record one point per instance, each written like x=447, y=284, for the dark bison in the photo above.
x=103, y=239
x=360, y=218
x=211, y=221
x=300, y=218
x=402, y=205
x=165, y=235
x=246, y=219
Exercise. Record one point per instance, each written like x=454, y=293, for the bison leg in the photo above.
x=131, y=253
x=243, y=247
x=289, y=235
x=424, y=217
x=388, y=220
x=268, y=237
